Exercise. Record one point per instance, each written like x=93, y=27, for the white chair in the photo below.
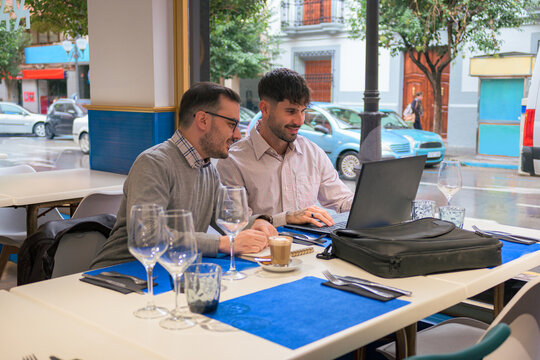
x=13, y=221
x=522, y=314
x=99, y=203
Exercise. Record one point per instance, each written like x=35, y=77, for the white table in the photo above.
x=111, y=312
x=54, y=188
x=28, y=328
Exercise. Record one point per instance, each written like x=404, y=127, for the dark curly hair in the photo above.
x=283, y=83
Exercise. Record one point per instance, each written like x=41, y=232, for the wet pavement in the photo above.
x=41, y=153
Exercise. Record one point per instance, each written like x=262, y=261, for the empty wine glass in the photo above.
x=181, y=252
x=146, y=243
x=449, y=182
x=232, y=216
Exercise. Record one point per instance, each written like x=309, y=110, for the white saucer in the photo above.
x=293, y=265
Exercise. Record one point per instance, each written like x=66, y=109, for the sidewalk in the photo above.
x=501, y=162
x=477, y=160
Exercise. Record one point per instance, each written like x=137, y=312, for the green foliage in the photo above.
x=12, y=44
x=239, y=40
x=68, y=16
x=446, y=26
x=451, y=24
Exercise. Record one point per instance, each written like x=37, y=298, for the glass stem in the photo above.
x=232, y=267
x=150, y=286
x=176, y=278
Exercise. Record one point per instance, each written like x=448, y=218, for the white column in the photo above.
x=132, y=52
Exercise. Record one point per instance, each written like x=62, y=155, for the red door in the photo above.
x=414, y=80
x=318, y=74
x=316, y=11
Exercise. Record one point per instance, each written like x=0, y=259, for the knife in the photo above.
x=353, y=279
x=119, y=284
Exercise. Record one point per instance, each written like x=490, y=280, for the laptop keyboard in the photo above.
x=336, y=226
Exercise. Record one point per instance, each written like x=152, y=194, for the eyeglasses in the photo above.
x=232, y=120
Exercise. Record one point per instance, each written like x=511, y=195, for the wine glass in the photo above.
x=146, y=243
x=181, y=252
x=232, y=216
x=449, y=182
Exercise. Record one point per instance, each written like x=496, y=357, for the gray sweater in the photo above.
x=161, y=175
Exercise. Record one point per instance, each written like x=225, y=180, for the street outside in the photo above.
x=488, y=193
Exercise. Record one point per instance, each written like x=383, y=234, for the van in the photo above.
x=530, y=126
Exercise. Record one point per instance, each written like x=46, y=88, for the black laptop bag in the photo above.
x=413, y=248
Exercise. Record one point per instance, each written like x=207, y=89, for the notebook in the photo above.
x=384, y=194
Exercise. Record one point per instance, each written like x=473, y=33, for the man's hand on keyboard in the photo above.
x=311, y=215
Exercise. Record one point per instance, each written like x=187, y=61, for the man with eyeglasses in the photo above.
x=177, y=174
x=285, y=174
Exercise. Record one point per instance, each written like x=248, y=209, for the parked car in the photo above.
x=15, y=119
x=80, y=133
x=60, y=117
x=340, y=139
x=422, y=142
x=245, y=118
x=530, y=127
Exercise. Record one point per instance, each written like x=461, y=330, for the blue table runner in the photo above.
x=135, y=268
x=511, y=251
x=300, y=312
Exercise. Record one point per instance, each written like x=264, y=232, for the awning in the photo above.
x=43, y=74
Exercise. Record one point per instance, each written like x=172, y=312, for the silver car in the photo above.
x=80, y=133
x=15, y=119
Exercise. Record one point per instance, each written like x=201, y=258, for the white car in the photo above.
x=80, y=133
x=15, y=119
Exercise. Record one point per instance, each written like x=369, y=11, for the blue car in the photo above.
x=338, y=134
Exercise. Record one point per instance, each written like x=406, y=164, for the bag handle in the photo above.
x=327, y=254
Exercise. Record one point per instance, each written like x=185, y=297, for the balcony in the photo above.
x=312, y=17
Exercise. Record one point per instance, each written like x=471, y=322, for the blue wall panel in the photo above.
x=117, y=137
x=495, y=139
x=500, y=99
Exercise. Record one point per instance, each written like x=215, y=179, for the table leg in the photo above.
x=410, y=332
x=401, y=344
x=360, y=354
x=498, y=299
x=31, y=218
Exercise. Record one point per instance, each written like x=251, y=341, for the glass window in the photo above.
x=12, y=109
x=59, y=107
x=347, y=117
x=314, y=118
x=391, y=120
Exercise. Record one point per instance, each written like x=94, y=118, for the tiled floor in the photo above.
x=9, y=277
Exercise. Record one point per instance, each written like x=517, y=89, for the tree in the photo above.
x=446, y=27
x=68, y=16
x=239, y=41
x=12, y=44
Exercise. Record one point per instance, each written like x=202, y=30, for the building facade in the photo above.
x=315, y=42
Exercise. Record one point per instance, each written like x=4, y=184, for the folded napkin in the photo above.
x=359, y=291
x=101, y=280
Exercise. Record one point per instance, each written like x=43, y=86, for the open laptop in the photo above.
x=384, y=194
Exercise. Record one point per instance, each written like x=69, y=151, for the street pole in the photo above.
x=76, y=56
x=78, y=45
x=370, y=140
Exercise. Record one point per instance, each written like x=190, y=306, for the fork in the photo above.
x=136, y=280
x=339, y=282
x=30, y=357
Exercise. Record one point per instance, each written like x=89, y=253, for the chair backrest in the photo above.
x=13, y=220
x=99, y=203
x=522, y=314
x=76, y=251
x=487, y=345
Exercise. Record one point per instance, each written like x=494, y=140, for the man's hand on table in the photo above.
x=247, y=241
x=265, y=227
x=313, y=215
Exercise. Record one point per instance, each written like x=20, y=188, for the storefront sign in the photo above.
x=28, y=96
x=18, y=13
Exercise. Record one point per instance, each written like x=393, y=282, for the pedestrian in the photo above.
x=417, y=109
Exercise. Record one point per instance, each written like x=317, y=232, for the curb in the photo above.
x=489, y=165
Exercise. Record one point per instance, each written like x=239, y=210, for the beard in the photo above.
x=213, y=144
x=280, y=130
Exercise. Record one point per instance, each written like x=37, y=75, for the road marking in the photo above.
x=529, y=205
x=506, y=189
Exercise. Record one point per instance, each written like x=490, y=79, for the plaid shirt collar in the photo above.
x=193, y=158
